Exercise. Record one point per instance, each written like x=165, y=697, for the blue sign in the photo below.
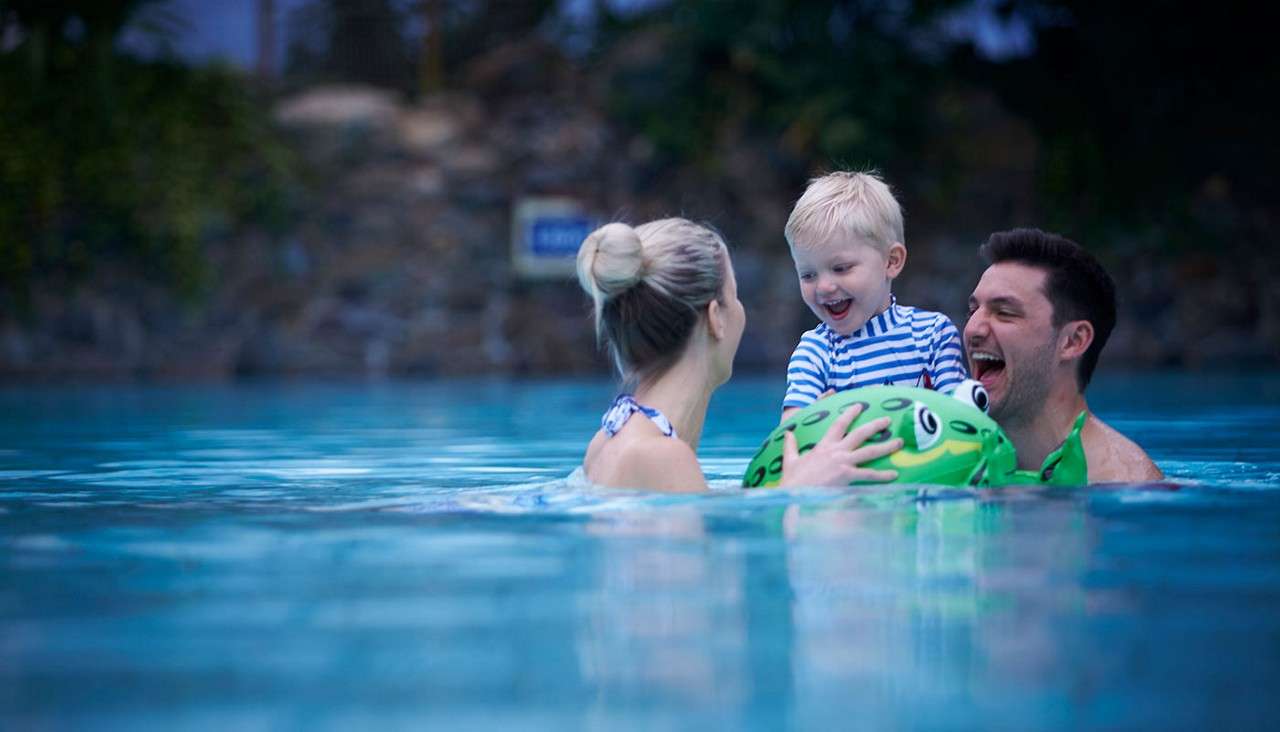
x=546, y=233
x=558, y=236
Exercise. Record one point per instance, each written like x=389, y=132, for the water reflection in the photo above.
x=662, y=615
x=873, y=606
x=883, y=609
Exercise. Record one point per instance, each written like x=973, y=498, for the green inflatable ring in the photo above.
x=947, y=439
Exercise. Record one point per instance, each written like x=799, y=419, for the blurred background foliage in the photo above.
x=405, y=44
x=830, y=80
x=1151, y=128
x=108, y=159
x=1154, y=118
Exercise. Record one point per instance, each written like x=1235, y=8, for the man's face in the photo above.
x=1011, y=340
x=844, y=284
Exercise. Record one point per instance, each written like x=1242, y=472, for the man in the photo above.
x=1038, y=320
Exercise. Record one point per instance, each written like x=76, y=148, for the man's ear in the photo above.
x=715, y=320
x=1076, y=338
x=895, y=259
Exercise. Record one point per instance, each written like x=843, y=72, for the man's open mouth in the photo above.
x=987, y=367
x=839, y=308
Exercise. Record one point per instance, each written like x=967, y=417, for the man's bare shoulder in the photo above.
x=1114, y=458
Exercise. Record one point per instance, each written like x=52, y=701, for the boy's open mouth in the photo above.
x=838, y=309
x=987, y=367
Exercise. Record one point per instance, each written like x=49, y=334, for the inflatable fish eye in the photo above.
x=927, y=428
x=973, y=393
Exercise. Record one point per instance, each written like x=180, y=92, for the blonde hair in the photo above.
x=649, y=285
x=845, y=206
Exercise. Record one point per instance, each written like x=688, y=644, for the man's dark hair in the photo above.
x=1075, y=283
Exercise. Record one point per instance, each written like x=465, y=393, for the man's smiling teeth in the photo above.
x=984, y=363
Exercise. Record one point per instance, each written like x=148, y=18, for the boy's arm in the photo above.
x=946, y=366
x=788, y=411
x=806, y=374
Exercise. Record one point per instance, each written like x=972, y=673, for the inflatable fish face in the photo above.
x=947, y=440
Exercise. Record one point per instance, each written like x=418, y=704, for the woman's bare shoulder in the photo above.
x=653, y=462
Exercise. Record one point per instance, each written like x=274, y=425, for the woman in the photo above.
x=666, y=302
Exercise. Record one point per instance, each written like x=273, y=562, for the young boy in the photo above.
x=845, y=235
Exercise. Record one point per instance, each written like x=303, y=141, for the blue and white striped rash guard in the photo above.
x=903, y=346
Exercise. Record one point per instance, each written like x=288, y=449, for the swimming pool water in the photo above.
x=410, y=554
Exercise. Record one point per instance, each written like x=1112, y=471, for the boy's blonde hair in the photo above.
x=845, y=206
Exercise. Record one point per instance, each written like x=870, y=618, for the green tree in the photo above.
x=107, y=158
x=1146, y=113
x=837, y=80
x=411, y=45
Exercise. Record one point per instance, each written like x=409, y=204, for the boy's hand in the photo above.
x=836, y=457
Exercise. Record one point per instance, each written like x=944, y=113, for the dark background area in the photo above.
x=325, y=187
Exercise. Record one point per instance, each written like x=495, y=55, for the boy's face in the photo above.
x=847, y=283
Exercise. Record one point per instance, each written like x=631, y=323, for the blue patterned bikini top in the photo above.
x=623, y=407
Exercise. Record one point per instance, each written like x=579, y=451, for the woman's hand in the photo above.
x=836, y=457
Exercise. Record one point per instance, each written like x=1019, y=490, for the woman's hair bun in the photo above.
x=649, y=285
x=610, y=261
